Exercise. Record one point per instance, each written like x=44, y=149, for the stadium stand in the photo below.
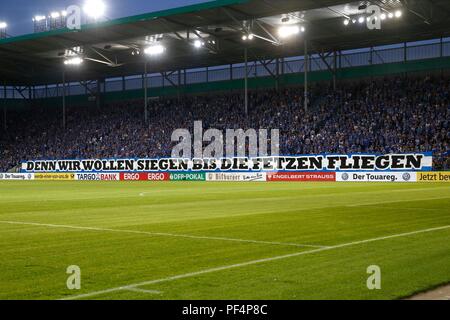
x=394, y=114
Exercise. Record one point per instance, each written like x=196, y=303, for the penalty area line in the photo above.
x=249, y=263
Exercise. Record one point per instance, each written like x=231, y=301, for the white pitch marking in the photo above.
x=160, y=234
x=141, y=290
x=382, y=202
x=253, y=262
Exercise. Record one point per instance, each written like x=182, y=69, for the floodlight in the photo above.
x=64, y=13
x=383, y=16
x=249, y=37
x=94, y=8
x=38, y=18
x=3, y=25
x=154, y=50
x=198, y=44
x=361, y=20
x=346, y=22
x=398, y=13
x=74, y=61
x=287, y=31
x=55, y=15
x=390, y=15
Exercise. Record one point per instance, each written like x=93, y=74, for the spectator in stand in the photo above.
x=379, y=116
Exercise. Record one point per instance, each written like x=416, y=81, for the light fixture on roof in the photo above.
x=3, y=26
x=288, y=31
x=64, y=13
x=74, y=52
x=361, y=19
x=94, y=8
x=198, y=44
x=346, y=22
x=38, y=18
x=55, y=15
x=153, y=38
x=154, y=50
x=398, y=13
x=383, y=16
x=76, y=61
x=249, y=36
x=390, y=15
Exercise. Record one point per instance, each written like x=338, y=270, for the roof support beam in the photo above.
x=86, y=84
x=166, y=76
x=265, y=64
x=20, y=91
x=274, y=39
x=211, y=48
x=422, y=16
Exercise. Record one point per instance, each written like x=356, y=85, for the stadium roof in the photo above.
x=37, y=59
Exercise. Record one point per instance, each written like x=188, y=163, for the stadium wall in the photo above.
x=272, y=177
x=291, y=79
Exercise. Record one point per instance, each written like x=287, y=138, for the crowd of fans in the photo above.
x=373, y=116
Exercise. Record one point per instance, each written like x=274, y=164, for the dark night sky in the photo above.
x=19, y=13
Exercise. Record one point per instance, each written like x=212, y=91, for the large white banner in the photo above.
x=318, y=163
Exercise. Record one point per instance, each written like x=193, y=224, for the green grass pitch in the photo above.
x=144, y=240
